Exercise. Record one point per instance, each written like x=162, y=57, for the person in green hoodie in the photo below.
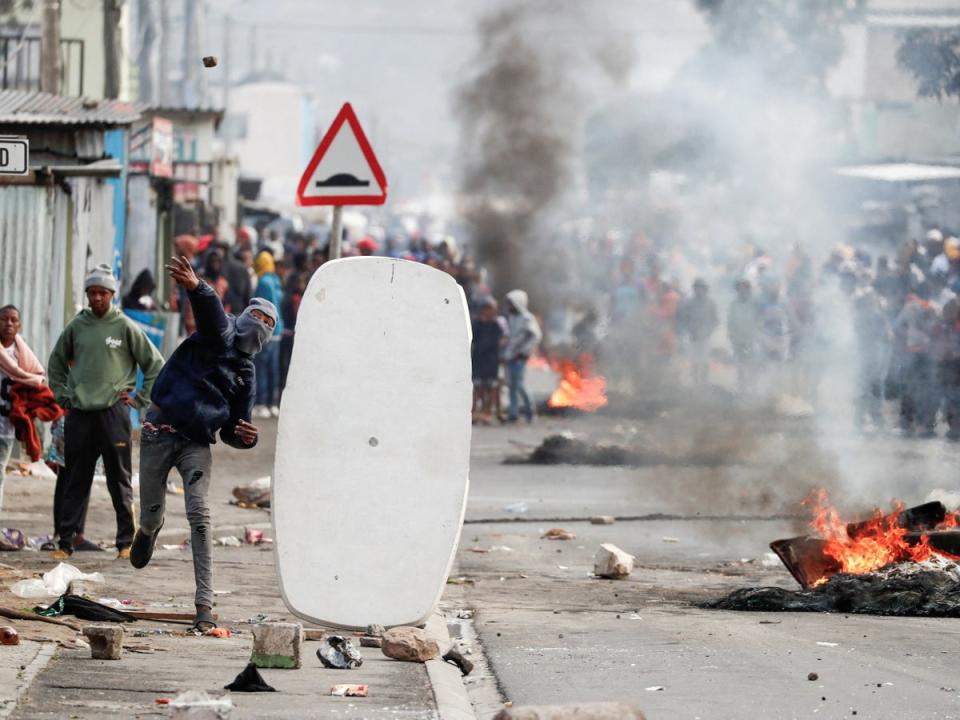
x=93, y=374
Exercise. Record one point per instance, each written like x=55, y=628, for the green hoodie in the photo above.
x=97, y=358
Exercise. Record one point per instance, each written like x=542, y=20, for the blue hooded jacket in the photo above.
x=208, y=384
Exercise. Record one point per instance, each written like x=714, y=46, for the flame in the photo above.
x=879, y=541
x=579, y=387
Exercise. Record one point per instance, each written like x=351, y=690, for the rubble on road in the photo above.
x=338, y=653
x=925, y=589
x=454, y=657
x=277, y=645
x=602, y=520
x=558, y=534
x=106, y=641
x=350, y=691
x=409, y=644
x=612, y=562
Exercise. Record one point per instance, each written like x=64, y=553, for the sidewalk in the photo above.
x=73, y=685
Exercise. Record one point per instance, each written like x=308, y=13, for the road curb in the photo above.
x=446, y=681
x=26, y=676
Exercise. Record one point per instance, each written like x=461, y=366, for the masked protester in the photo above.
x=207, y=386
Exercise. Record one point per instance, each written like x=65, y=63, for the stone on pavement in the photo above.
x=409, y=644
x=106, y=641
x=612, y=562
x=277, y=645
x=586, y=711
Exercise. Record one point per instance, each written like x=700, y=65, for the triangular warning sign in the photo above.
x=343, y=169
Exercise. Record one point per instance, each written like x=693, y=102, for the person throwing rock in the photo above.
x=207, y=386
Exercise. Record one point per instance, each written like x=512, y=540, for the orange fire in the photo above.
x=878, y=542
x=579, y=387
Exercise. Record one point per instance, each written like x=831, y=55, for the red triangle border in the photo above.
x=346, y=115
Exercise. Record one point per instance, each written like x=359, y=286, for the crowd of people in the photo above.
x=788, y=323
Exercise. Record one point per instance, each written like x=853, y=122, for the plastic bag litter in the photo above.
x=339, y=653
x=198, y=705
x=250, y=680
x=54, y=582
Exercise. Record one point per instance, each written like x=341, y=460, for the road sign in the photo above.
x=14, y=156
x=344, y=169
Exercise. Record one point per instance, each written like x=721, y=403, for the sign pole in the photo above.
x=336, y=233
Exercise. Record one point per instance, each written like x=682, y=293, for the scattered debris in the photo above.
x=174, y=617
x=564, y=450
x=17, y=615
x=228, y=541
x=210, y=61
x=517, y=507
x=185, y=545
x=655, y=688
x=218, y=632
x=464, y=614
x=9, y=636
x=375, y=630
x=454, y=657
x=313, y=634
x=827, y=644
x=255, y=537
x=612, y=562
x=12, y=539
x=813, y=677
x=349, y=691
x=462, y=580
x=54, y=583
x=106, y=641
x=371, y=642
x=196, y=704
x=338, y=653
x=249, y=680
x=926, y=589
x=671, y=540
x=620, y=711
x=500, y=548
x=84, y=609
x=558, y=534
x=409, y=644
x=277, y=645
x=253, y=495
x=602, y=520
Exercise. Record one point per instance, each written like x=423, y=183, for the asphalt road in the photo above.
x=552, y=633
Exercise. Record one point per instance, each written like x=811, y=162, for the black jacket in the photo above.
x=207, y=385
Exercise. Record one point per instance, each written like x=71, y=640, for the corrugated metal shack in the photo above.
x=58, y=221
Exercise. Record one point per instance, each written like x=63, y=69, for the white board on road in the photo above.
x=373, y=447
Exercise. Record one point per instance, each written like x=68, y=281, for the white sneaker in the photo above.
x=275, y=410
x=261, y=412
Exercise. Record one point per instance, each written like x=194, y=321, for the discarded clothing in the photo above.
x=12, y=539
x=250, y=680
x=84, y=609
x=26, y=404
x=339, y=653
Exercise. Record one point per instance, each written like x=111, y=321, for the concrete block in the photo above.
x=612, y=562
x=106, y=641
x=586, y=711
x=277, y=645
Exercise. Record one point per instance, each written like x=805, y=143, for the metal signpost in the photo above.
x=343, y=171
x=14, y=155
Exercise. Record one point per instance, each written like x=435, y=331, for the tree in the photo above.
x=932, y=56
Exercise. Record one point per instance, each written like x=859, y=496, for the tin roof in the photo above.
x=19, y=107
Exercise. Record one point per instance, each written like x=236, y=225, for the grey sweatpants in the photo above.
x=160, y=452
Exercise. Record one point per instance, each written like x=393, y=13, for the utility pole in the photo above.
x=50, y=66
x=163, y=70
x=111, y=48
x=146, y=59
